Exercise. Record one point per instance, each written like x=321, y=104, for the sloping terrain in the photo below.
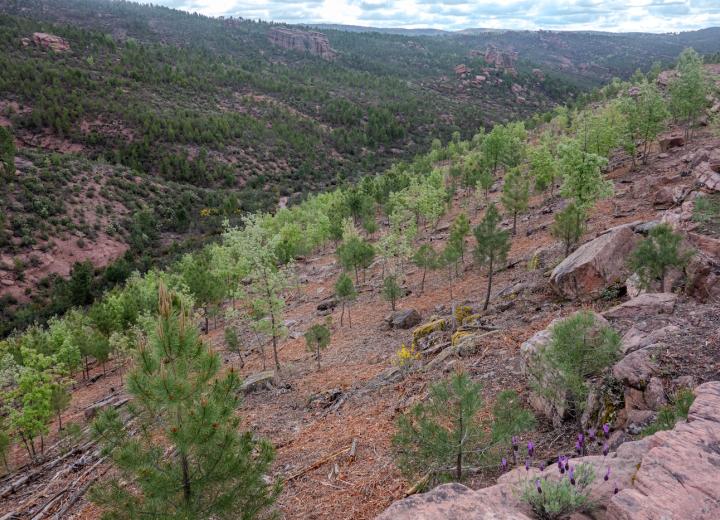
x=332, y=427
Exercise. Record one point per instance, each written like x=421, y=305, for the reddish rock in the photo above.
x=679, y=476
x=671, y=141
x=595, y=266
x=501, y=59
x=635, y=369
x=644, y=305
x=703, y=277
x=655, y=394
x=671, y=475
x=708, y=175
x=304, y=41
x=461, y=69
x=50, y=41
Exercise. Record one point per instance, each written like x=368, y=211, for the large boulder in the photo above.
x=679, y=476
x=643, y=306
x=595, y=266
x=404, y=319
x=636, y=368
x=554, y=406
x=708, y=175
x=258, y=381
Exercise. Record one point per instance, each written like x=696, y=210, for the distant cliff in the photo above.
x=304, y=41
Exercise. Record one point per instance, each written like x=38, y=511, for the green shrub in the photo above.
x=671, y=414
x=656, y=254
x=579, y=348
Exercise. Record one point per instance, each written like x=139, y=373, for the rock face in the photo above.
x=679, y=476
x=50, y=41
x=671, y=475
x=644, y=305
x=259, y=381
x=595, y=266
x=404, y=319
x=501, y=59
x=555, y=407
x=304, y=41
x=708, y=175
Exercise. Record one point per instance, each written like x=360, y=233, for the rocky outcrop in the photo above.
x=501, y=59
x=708, y=175
x=304, y=41
x=595, y=266
x=671, y=475
x=50, y=41
x=644, y=305
x=259, y=381
x=679, y=475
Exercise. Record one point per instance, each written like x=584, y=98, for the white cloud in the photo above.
x=604, y=15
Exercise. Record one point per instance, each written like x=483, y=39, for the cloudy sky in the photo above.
x=605, y=15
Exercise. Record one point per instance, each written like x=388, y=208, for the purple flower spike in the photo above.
x=542, y=466
x=606, y=430
x=514, y=441
x=616, y=489
x=567, y=464
x=561, y=464
x=607, y=474
x=578, y=448
x=591, y=434
x=571, y=476
x=537, y=485
x=527, y=464
x=606, y=449
x=581, y=439
x=503, y=464
x=531, y=448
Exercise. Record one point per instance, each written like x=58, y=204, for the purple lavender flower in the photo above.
x=616, y=489
x=542, y=466
x=591, y=434
x=514, y=441
x=578, y=448
x=571, y=476
x=531, y=448
x=581, y=439
x=606, y=430
x=606, y=449
x=537, y=485
x=607, y=474
x=567, y=463
x=527, y=464
x=561, y=464
x=503, y=464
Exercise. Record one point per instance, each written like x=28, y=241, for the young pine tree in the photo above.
x=515, y=194
x=346, y=293
x=440, y=438
x=425, y=258
x=688, y=91
x=7, y=153
x=493, y=245
x=645, y=113
x=355, y=254
x=317, y=338
x=391, y=290
x=569, y=226
x=656, y=254
x=187, y=460
x=458, y=231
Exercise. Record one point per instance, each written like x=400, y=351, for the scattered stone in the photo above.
x=671, y=141
x=636, y=338
x=708, y=176
x=404, y=319
x=595, y=266
x=258, y=381
x=655, y=394
x=635, y=369
x=328, y=304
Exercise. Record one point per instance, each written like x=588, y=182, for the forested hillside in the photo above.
x=139, y=129
x=475, y=245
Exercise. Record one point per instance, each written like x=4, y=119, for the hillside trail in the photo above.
x=333, y=427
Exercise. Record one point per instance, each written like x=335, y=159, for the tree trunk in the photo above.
x=342, y=313
x=274, y=344
x=422, y=283
x=458, y=469
x=662, y=281
x=59, y=416
x=349, y=318
x=317, y=355
x=489, y=285
x=185, y=478
x=514, y=222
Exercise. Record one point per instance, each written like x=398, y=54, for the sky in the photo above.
x=599, y=15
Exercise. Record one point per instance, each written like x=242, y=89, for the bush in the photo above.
x=670, y=415
x=579, y=349
x=656, y=254
x=553, y=499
